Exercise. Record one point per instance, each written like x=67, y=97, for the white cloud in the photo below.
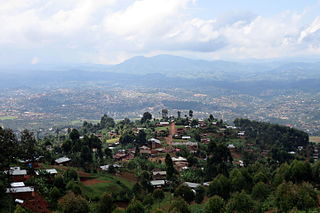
x=108, y=31
x=35, y=60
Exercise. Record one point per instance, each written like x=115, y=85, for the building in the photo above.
x=62, y=160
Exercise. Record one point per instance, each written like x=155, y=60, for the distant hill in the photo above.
x=172, y=70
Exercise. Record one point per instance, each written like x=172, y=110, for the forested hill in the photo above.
x=267, y=134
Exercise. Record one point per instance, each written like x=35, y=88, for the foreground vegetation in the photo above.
x=250, y=167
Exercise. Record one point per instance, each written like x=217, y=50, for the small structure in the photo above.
x=19, y=201
x=163, y=123
x=241, y=133
x=25, y=189
x=231, y=146
x=145, y=150
x=192, y=185
x=186, y=137
x=17, y=184
x=155, y=143
x=17, y=174
x=106, y=167
x=179, y=159
x=63, y=160
x=206, y=183
x=159, y=175
x=47, y=171
x=158, y=183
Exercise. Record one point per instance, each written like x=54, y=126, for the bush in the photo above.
x=135, y=207
x=106, y=204
x=215, y=204
x=185, y=192
x=71, y=203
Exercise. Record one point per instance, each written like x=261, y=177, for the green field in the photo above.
x=110, y=184
x=113, y=140
x=8, y=118
x=314, y=139
x=162, y=128
x=80, y=122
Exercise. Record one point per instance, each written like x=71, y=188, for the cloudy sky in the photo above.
x=110, y=31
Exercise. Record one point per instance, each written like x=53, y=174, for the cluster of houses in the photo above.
x=25, y=195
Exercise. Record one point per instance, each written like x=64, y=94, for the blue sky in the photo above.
x=111, y=31
x=210, y=9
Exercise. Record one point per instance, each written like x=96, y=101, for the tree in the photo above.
x=164, y=113
x=29, y=145
x=241, y=203
x=74, y=135
x=219, y=186
x=194, y=122
x=238, y=181
x=70, y=174
x=9, y=148
x=261, y=191
x=135, y=207
x=169, y=167
x=179, y=206
x=190, y=113
x=144, y=181
x=127, y=138
x=74, y=187
x=85, y=155
x=59, y=181
x=71, y=203
x=289, y=196
x=148, y=200
x=215, y=204
x=285, y=197
x=105, y=204
x=55, y=193
x=141, y=138
x=147, y=116
x=158, y=194
x=108, y=153
x=200, y=193
x=185, y=192
x=179, y=114
x=106, y=122
x=299, y=171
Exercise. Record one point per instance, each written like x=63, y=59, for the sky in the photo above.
x=111, y=31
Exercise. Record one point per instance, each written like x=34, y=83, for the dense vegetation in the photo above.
x=266, y=168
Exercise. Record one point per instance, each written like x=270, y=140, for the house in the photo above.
x=62, y=160
x=179, y=159
x=120, y=156
x=186, y=137
x=163, y=123
x=145, y=150
x=159, y=175
x=47, y=171
x=180, y=163
x=155, y=143
x=241, y=133
x=24, y=189
x=231, y=146
x=17, y=184
x=106, y=167
x=17, y=174
x=192, y=185
x=158, y=183
x=206, y=183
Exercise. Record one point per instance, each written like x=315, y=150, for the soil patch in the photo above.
x=128, y=176
x=90, y=181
